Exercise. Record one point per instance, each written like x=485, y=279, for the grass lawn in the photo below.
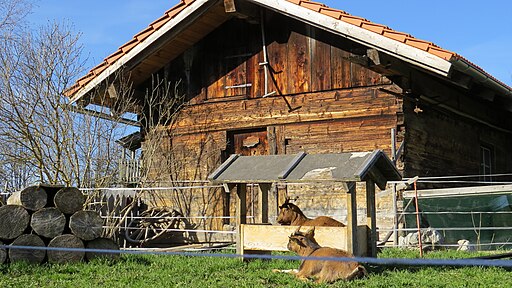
x=185, y=271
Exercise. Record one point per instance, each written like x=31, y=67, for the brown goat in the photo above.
x=304, y=244
x=290, y=214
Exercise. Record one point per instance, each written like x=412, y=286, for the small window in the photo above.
x=486, y=160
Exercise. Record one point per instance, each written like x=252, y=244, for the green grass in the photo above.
x=180, y=271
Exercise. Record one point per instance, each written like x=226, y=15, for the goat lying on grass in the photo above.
x=290, y=214
x=304, y=244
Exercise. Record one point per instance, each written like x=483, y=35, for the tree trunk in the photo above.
x=31, y=198
x=102, y=244
x=86, y=225
x=65, y=241
x=27, y=255
x=48, y=222
x=14, y=220
x=3, y=254
x=69, y=200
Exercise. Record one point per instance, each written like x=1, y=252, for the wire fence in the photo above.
x=133, y=223
x=466, y=262
x=479, y=234
x=450, y=232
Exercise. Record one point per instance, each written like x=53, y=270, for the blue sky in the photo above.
x=481, y=31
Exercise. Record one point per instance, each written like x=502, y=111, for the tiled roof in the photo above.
x=377, y=28
x=138, y=38
x=314, y=6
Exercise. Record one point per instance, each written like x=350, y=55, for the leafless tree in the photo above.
x=167, y=159
x=12, y=14
x=42, y=141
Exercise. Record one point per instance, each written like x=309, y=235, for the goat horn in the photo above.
x=297, y=231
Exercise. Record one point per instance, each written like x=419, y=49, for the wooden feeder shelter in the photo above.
x=374, y=168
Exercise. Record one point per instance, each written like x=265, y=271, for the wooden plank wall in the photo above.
x=342, y=105
x=303, y=58
x=187, y=157
x=262, y=112
x=439, y=144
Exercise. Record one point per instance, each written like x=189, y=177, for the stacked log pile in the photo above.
x=50, y=216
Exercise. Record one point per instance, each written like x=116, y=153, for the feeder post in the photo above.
x=263, y=202
x=351, y=218
x=371, y=217
x=241, y=214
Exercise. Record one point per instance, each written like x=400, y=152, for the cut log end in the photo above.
x=27, y=255
x=14, y=220
x=102, y=244
x=48, y=222
x=87, y=225
x=31, y=198
x=69, y=200
x=62, y=256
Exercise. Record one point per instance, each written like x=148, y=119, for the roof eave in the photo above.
x=480, y=76
x=360, y=35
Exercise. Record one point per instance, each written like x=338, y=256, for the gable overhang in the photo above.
x=399, y=50
x=442, y=67
x=194, y=10
x=360, y=35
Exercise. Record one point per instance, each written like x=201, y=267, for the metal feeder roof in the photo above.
x=303, y=167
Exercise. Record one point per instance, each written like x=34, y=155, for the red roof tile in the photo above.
x=159, y=22
x=142, y=35
x=420, y=44
x=129, y=45
x=84, y=80
x=312, y=5
x=377, y=28
x=99, y=68
x=334, y=13
x=354, y=20
x=442, y=53
x=395, y=35
x=114, y=56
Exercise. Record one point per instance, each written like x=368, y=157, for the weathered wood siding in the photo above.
x=342, y=107
x=186, y=157
x=304, y=59
x=440, y=143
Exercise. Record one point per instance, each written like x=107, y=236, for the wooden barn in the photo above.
x=268, y=77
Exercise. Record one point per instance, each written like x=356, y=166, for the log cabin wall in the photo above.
x=341, y=106
x=446, y=129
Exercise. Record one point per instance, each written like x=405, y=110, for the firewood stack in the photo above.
x=51, y=216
